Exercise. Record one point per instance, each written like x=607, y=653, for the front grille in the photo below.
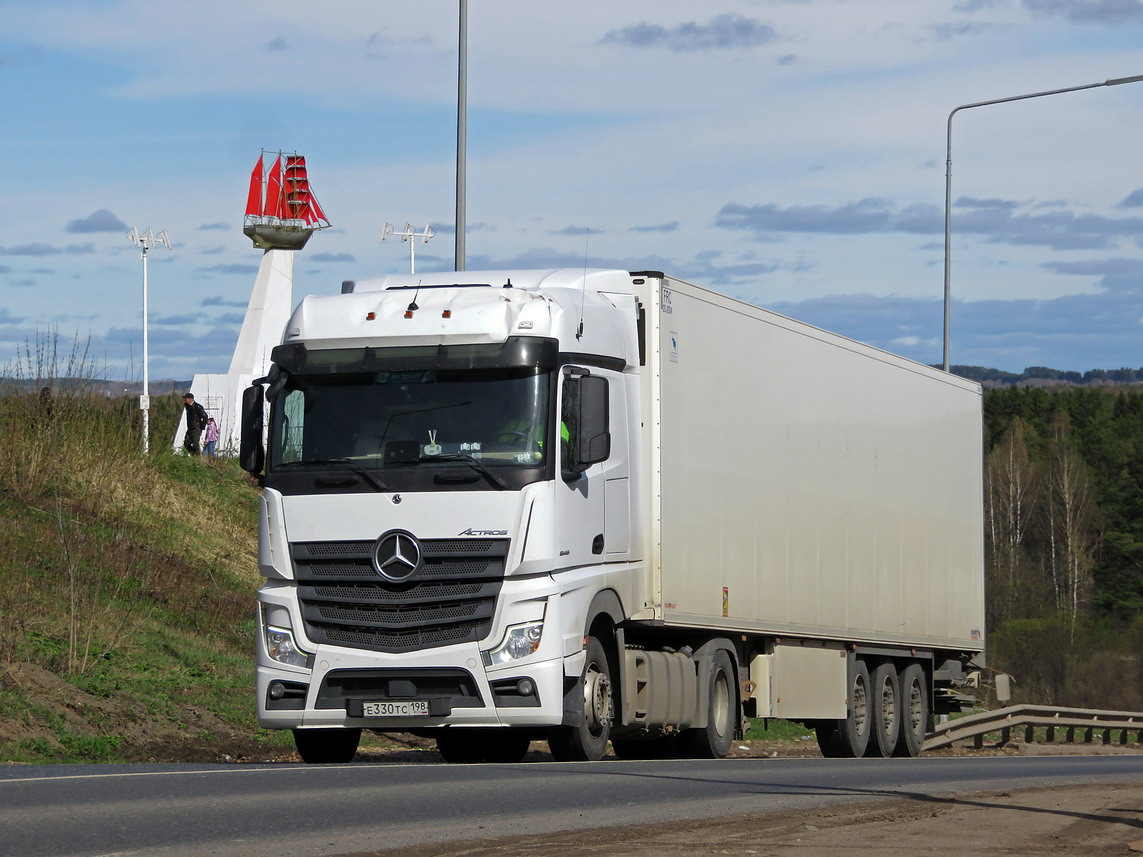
x=450, y=599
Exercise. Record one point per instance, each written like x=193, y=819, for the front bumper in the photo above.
x=458, y=690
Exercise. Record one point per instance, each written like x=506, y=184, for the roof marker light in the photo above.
x=370, y=316
x=446, y=314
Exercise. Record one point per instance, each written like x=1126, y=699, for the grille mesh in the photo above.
x=450, y=599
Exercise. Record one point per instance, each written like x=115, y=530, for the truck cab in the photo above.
x=446, y=508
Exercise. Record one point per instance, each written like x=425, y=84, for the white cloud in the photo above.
x=779, y=151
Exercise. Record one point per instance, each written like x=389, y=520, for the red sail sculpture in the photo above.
x=273, y=206
x=254, y=197
x=281, y=210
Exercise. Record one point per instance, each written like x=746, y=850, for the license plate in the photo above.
x=399, y=708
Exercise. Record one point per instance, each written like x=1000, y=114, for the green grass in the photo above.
x=776, y=730
x=126, y=581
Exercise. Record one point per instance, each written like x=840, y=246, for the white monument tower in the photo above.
x=281, y=215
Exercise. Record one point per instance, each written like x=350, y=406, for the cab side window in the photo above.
x=585, y=436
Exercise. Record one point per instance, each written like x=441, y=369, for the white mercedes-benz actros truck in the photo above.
x=593, y=506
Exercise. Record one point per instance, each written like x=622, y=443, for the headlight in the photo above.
x=281, y=647
x=519, y=642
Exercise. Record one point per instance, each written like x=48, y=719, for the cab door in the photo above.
x=592, y=494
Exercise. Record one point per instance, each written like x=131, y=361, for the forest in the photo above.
x=1064, y=543
x=986, y=375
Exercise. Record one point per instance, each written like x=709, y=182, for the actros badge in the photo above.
x=397, y=555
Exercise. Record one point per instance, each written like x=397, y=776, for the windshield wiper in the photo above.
x=468, y=459
x=348, y=464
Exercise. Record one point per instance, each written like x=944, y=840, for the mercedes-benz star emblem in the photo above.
x=397, y=555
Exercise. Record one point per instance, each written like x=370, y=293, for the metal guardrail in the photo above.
x=1087, y=723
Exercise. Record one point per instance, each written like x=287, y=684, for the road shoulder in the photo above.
x=1096, y=821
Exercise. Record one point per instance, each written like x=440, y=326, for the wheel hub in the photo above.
x=596, y=699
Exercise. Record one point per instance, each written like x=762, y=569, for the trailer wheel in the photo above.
x=465, y=746
x=886, y=711
x=713, y=742
x=327, y=746
x=587, y=742
x=914, y=711
x=849, y=738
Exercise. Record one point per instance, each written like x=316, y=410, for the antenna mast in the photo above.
x=408, y=235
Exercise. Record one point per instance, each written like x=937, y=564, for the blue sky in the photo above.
x=787, y=152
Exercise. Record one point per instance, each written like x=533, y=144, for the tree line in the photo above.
x=982, y=374
x=1064, y=542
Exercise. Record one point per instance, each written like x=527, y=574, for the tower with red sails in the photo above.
x=281, y=209
x=281, y=215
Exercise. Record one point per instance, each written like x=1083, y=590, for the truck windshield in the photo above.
x=482, y=422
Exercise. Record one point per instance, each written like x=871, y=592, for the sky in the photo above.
x=790, y=153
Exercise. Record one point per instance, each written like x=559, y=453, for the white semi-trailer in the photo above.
x=587, y=505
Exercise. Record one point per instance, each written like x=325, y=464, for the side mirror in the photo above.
x=588, y=414
x=251, y=452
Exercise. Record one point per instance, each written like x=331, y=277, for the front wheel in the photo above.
x=327, y=746
x=587, y=742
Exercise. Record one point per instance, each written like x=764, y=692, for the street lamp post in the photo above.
x=461, y=132
x=145, y=241
x=948, y=173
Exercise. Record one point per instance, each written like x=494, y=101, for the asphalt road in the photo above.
x=289, y=810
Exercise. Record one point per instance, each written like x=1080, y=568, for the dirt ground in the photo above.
x=1086, y=821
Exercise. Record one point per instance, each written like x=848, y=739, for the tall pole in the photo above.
x=145, y=241
x=461, y=131
x=145, y=398
x=948, y=176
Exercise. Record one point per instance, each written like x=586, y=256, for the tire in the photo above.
x=713, y=741
x=914, y=705
x=587, y=742
x=327, y=746
x=849, y=738
x=886, y=708
x=663, y=747
x=465, y=746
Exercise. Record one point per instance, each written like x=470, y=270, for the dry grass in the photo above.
x=126, y=580
x=67, y=447
x=97, y=535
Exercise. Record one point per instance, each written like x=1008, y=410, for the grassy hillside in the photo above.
x=126, y=586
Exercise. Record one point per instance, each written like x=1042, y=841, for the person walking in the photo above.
x=210, y=437
x=196, y=421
